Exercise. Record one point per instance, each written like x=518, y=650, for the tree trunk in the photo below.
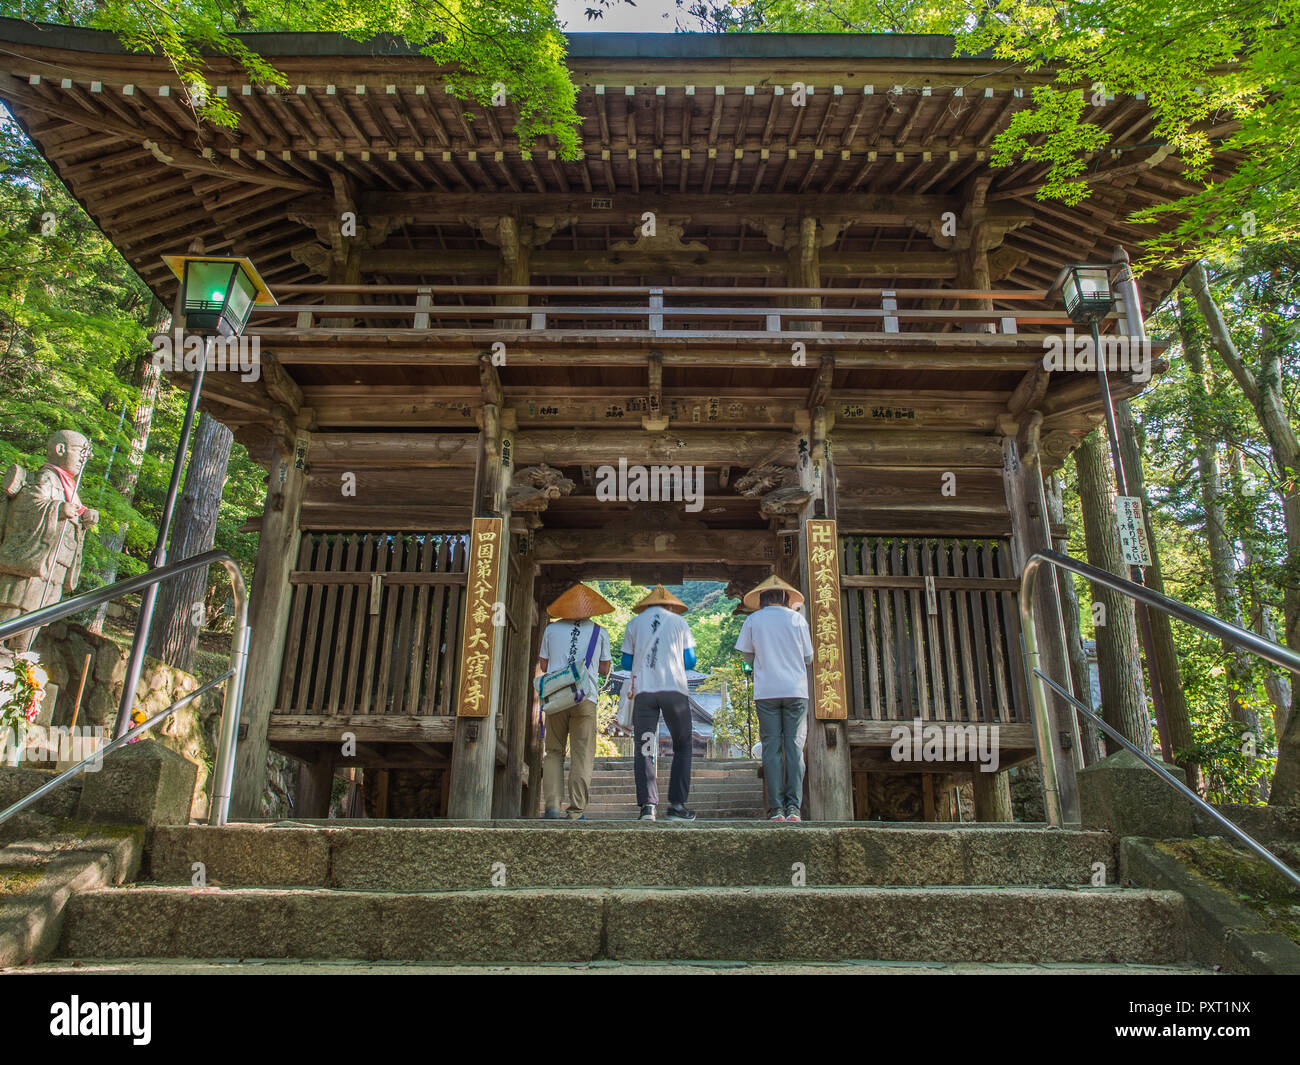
x=1277, y=682
x=1265, y=394
x=1123, y=699
x=149, y=377
x=177, y=622
x=1178, y=719
x=1089, y=734
x=1223, y=558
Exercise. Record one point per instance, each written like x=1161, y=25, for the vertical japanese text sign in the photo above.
x=829, y=700
x=478, y=644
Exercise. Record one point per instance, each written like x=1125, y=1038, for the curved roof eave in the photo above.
x=720, y=46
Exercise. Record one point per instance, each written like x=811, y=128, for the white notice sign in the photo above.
x=1132, y=531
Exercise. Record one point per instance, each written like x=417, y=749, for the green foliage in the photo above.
x=606, y=713
x=1218, y=77
x=1259, y=287
x=515, y=46
x=73, y=333
x=710, y=617
x=736, y=723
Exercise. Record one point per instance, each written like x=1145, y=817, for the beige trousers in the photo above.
x=577, y=726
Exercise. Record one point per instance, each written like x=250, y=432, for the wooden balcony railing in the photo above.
x=638, y=312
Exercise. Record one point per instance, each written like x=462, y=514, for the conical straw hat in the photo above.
x=580, y=602
x=751, y=596
x=661, y=596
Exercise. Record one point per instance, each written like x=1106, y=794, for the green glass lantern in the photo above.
x=218, y=293
x=1087, y=293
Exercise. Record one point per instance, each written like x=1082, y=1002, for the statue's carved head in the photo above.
x=68, y=450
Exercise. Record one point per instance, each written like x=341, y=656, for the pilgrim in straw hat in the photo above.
x=661, y=596
x=794, y=597
x=580, y=602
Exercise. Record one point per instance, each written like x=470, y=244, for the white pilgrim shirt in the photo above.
x=567, y=641
x=781, y=644
x=657, y=639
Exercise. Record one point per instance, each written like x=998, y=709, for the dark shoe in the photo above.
x=647, y=813
x=576, y=817
x=792, y=815
x=552, y=815
x=680, y=813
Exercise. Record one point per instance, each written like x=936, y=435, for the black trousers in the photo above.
x=676, y=709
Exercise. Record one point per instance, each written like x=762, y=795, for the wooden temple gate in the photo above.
x=840, y=316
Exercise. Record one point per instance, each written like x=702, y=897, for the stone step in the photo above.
x=598, y=967
x=697, y=787
x=697, y=802
x=442, y=856
x=667, y=759
x=629, y=813
x=705, y=809
x=771, y=924
x=627, y=780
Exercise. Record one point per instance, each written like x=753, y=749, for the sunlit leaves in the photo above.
x=515, y=46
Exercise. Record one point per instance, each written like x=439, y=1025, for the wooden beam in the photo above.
x=277, y=548
x=873, y=733
x=820, y=392
x=490, y=381
x=866, y=208
x=374, y=728
x=654, y=545
x=1026, y=502
x=570, y=347
x=397, y=262
x=438, y=406
x=347, y=451
x=656, y=418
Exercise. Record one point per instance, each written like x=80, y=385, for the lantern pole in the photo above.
x=1133, y=317
x=149, y=597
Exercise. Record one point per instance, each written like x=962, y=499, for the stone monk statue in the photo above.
x=42, y=530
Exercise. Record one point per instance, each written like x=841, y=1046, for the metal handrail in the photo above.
x=1234, y=634
x=1182, y=788
x=224, y=769
x=98, y=756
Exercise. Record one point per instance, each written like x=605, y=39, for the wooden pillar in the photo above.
x=993, y=796
x=544, y=595
x=315, y=783
x=344, y=269
x=277, y=550
x=517, y=693
x=514, y=267
x=830, y=776
x=803, y=248
x=473, y=763
x=975, y=240
x=1030, y=532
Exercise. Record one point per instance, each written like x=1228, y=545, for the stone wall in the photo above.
x=191, y=731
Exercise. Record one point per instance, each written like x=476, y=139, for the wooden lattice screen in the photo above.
x=932, y=629
x=375, y=624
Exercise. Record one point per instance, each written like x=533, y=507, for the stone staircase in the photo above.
x=721, y=789
x=550, y=893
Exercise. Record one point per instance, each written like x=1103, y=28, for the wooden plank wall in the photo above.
x=355, y=650
x=946, y=651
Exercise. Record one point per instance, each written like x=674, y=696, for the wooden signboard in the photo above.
x=478, y=644
x=824, y=618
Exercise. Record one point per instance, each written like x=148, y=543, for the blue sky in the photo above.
x=646, y=17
